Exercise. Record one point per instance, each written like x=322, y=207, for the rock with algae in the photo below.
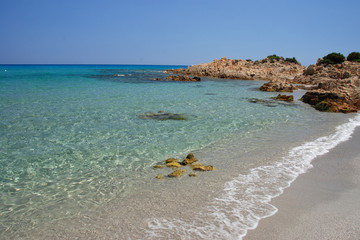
x=190, y=158
x=161, y=115
x=159, y=166
x=159, y=176
x=203, y=168
x=173, y=165
x=177, y=173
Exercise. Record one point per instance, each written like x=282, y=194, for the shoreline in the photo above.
x=323, y=203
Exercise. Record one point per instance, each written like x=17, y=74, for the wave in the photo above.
x=246, y=199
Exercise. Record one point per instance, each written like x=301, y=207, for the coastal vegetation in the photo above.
x=353, y=57
x=332, y=58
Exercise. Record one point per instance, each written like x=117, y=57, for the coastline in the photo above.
x=322, y=203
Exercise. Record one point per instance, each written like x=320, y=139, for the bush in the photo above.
x=274, y=57
x=264, y=61
x=249, y=60
x=291, y=60
x=333, y=58
x=354, y=57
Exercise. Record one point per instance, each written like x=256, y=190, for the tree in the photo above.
x=333, y=58
x=354, y=57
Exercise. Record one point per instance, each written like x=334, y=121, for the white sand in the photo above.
x=323, y=203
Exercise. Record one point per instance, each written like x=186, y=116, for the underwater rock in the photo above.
x=159, y=166
x=285, y=98
x=177, y=173
x=170, y=160
x=190, y=158
x=159, y=176
x=203, y=168
x=173, y=165
x=193, y=175
x=161, y=115
x=268, y=103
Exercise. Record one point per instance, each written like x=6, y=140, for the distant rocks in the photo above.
x=265, y=69
x=179, y=78
x=161, y=115
x=179, y=171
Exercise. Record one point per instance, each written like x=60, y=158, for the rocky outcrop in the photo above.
x=265, y=69
x=336, y=88
x=177, y=173
x=179, y=78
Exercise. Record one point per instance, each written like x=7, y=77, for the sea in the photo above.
x=77, y=155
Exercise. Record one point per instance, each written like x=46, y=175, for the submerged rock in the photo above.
x=268, y=103
x=203, y=168
x=159, y=176
x=192, y=175
x=170, y=160
x=161, y=115
x=159, y=166
x=173, y=165
x=177, y=173
x=190, y=158
x=285, y=98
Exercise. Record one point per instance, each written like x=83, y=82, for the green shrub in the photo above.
x=291, y=60
x=354, y=57
x=333, y=58
x=264, y=61
x=274, y=57
x=249, y=60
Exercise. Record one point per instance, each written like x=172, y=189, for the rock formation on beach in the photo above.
x=336, y=87
x=333, y=82
x=270, y=68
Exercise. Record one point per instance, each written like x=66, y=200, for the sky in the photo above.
x=181, y=32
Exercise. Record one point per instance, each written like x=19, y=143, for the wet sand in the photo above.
x=323, y=203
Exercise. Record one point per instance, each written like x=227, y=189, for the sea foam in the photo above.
x=246, y=199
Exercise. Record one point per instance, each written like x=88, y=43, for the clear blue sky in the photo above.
x=174, y=32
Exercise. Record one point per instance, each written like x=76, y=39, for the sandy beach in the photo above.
x=322, y=203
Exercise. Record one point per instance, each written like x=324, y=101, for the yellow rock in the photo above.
x=194, y=165
x=160, y=176
x=190, y=158
x=192, y=175
x=177, y=173
x=173, y=164
x=170, y=160
x=203, y=168
x=159, y=166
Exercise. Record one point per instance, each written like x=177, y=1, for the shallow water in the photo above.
x=73, y=147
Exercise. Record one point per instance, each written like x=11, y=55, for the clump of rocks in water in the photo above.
x=161, y=115
x=176, y=165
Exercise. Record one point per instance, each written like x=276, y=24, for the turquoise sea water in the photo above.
x=71, y=138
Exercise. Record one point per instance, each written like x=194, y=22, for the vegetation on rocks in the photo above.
x=332, y=58
x=354, y=57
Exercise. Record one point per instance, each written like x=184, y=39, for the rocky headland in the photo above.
x=335, y=87
x=270, y=68
x=331, y=87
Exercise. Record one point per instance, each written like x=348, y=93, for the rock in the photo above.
x=268, y=103
x=192, y=175
x=159, y=176
x=203, y=168
x=170, y=160
x=161, y=115
x=310, y=70
x=159, y=166
x=329, y=102
x=285, y=98
x=177, y=173
x=173, y=165
x=244, y=70
x=277, y=86
x=183, y=78
x=190, y=158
